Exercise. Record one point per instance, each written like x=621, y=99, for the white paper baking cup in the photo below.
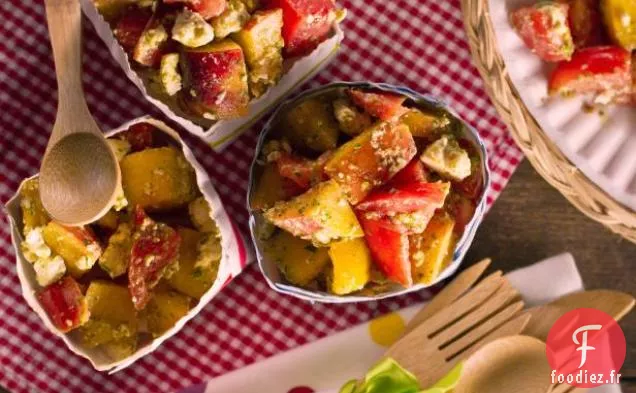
x=224, y=132
x=269, y=267
x=234, y=257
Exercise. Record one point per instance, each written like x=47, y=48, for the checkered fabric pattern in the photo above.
x=416, y=43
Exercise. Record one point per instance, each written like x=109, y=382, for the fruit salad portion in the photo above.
x=362, y=189
x=592, y=44
x=117, y=283
x=209, y=58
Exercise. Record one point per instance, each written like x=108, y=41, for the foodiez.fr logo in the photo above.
x=586, y=348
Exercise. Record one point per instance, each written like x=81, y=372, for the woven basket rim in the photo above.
x=541, y=151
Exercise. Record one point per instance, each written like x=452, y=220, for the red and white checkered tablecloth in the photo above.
x=417, y=43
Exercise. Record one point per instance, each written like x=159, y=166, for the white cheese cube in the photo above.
x=119, y=146
x=192, y=30
x=169, y=74
x=445, y=157
x=150, y=41
x=231, y=20
x=49, y=270
x=120, y=199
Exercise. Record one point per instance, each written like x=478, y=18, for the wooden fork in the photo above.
x=488, y=311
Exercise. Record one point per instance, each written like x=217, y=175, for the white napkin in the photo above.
x=326, y=364
x=547, y=280
x=550, y=279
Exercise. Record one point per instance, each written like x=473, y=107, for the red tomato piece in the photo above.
x=406, y=199
x=206, y=8
x=216, y=75
x=130, y=26
x=544, y=29
x=414, y=172
x=382, y=105
x=65, y=304
x=300, y=170
x=463, y=211
x=593, y=70
x=389, y=249
x=306, y=23
x=371, y=159
x=139, y=136
x=154, y=249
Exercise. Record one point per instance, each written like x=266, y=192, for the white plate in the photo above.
x=603, y=148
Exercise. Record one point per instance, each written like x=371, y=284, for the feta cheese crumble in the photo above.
x=149, y=42
x=48, y=268
x=192, y=30
x=169, y=74
x=119, y=146
x=231, y=20
x=445, y=157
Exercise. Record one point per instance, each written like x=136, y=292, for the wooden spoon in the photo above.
x=614, y=303
x=79, y=176
x=515, y=363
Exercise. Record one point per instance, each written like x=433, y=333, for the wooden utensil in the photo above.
x=449, y=294
x=614, y=303
x=485, y=313
x=79, y=176
x=515, y=363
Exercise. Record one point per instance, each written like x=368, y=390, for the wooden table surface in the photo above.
x=532, y=221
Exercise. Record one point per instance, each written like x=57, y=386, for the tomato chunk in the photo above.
x=544, y=29
x=382, y=105
x=139, y=136
x=463, y=211
x=593, y=70
x=389, y=249
x=65, y=304
x=155, y=249
x=306, y=23
x=371, y=159
x=414, y=172
x=405, y=199
x=302, y=171
x=206, y=8
x=130, y=26
x=216, y=74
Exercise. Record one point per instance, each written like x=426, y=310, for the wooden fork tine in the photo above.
x=510, y=328
x=504, y=295
x=471, y=300
x=481, y=331
x=454, y=289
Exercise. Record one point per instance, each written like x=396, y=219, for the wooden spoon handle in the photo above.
x=64, y=18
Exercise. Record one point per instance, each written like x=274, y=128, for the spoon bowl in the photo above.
x=73, y=189
x=79, y=175
x=515, y=363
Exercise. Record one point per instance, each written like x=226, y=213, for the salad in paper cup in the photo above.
x=361, y=191
x=116, y=288
x=215, y=66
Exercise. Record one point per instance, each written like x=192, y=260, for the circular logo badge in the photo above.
x=586, y=348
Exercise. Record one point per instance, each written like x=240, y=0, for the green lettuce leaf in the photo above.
x=389, y=377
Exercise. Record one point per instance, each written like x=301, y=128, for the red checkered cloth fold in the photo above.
x=416, y=43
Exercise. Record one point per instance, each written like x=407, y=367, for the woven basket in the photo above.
x=543, y=154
